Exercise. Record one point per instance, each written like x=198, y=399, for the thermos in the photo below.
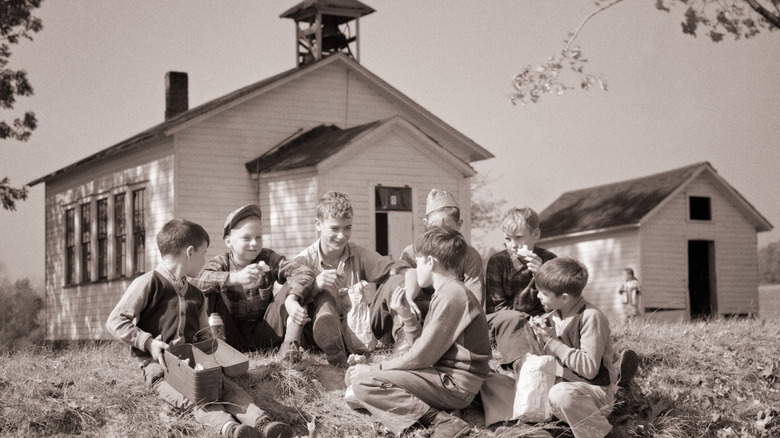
x=217, y=326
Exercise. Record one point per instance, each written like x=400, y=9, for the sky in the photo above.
x=98, y=71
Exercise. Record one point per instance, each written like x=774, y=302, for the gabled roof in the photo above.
x=326, y=145
x=307, y=149
x=223, y=103
x=629, y=203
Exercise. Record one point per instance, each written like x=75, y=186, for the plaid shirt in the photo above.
x=506, y=276
x=249, y=302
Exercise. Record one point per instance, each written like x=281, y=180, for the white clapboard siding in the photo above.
x=288, y=202
x=80, y=312
x=605, y=255
x=665, y=251
x=390, y=161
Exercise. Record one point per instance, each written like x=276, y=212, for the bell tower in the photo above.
x=325, y=27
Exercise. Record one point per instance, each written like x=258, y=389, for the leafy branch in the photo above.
x=738, y=18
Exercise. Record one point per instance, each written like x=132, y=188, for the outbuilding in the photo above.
x=689, y=236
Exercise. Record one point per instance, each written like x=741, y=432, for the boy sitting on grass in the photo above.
x=339, y=265
x=511, y=295
x=441, y=210
x=578, y=335
x=160, y=309
x=239, y=285
x=448, y=359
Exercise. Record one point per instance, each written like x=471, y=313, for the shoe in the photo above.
x=290, y=351
x=327, y=336
x=628, y=364
x=238, y=430
x=274, y=429
x=448, y=426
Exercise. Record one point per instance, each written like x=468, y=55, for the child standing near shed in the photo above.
x=630, y=291
x=161, y=309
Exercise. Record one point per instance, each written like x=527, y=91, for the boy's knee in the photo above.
x=560, y=396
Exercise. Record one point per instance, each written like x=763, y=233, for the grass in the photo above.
x=702, y=379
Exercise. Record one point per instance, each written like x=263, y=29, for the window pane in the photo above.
x=102, y=206
x=86, y=251
x=139, y=234
x=119, y=234
x=70, y=243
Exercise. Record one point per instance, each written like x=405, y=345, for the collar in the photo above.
x=168, y=275
x=347, y=254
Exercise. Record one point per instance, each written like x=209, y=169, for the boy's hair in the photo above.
x=453, y=212
x=518, y=218
x=447, y=246
x=629, y=271
x=334, y=204
x=562, y=275
x=178, y=234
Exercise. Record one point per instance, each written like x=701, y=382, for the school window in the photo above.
x=86, y=250
x=699, y=207
x=120, y=242
x=70, y=246
x=102, y=235
x=139, y=232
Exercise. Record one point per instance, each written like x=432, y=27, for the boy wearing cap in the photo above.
x=239, y=285
x=338, y=265
x=511, y=295
x=441, y=210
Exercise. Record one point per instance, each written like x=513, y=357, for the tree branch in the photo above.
x=576, y=32
x=773, y=19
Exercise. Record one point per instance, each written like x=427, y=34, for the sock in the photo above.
x=226, y=427
x=293, y=332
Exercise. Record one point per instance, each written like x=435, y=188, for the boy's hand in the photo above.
x=157, y=349
x=296, y=311
x=399, y=303
x=353, y=371
x=542, y=331
x=531, y=259
x=249, y=275
x=412, y=290
x=327, y=280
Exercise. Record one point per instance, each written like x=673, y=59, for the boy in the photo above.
x=578, y=335
x=441, y=210
x=338, y=265
x=239, y=285
x=448, y=359
x=160, y=308
x=511, y=296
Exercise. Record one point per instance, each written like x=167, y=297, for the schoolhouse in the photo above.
x=326, y=124
x=689, y=236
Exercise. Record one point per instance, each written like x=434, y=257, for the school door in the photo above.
x=394, y=220
x=701, y=278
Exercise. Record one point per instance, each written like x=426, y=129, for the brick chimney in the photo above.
x=176, y=92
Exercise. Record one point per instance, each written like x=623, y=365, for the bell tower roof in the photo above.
x=325, y=27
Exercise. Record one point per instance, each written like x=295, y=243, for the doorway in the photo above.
x=394, y=220
x=701, y=278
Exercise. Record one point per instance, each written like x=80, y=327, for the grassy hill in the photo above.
x=702, y=379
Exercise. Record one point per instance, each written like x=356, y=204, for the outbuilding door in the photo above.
x=394, y=220
x=701, y=278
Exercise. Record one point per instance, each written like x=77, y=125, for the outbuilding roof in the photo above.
x=629, y=202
